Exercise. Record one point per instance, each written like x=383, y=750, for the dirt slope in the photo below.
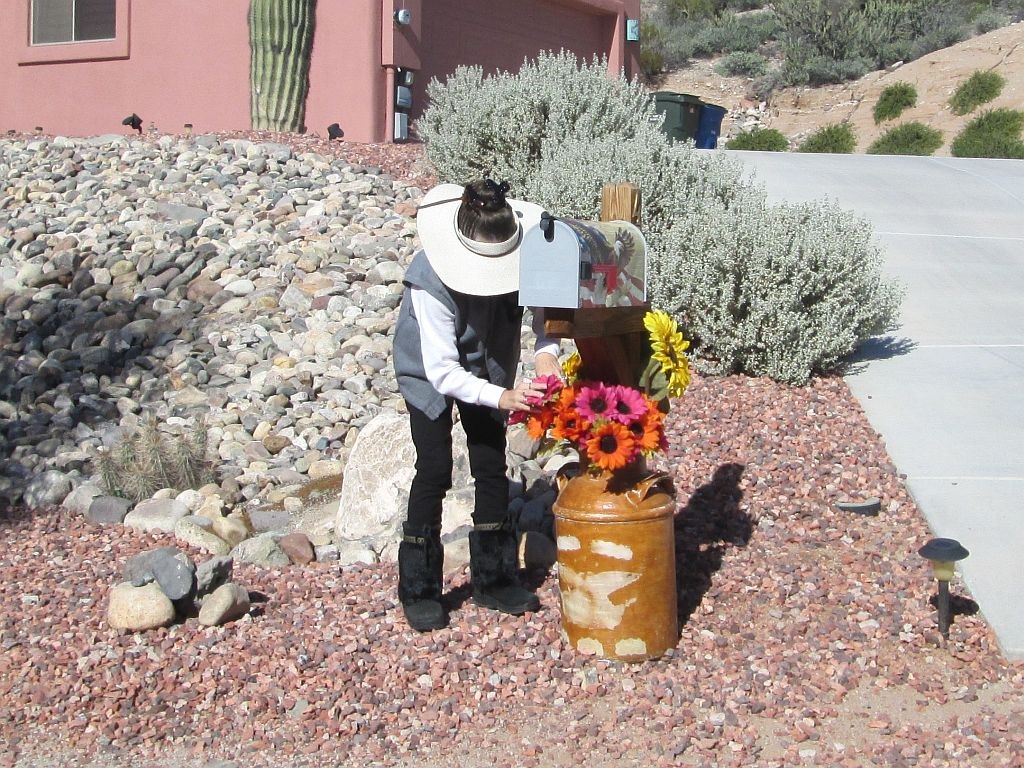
x=798, y=111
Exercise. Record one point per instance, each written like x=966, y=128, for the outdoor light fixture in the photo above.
x=403, y=17
x=134, y=121
x=943, y=553
x=188, y=129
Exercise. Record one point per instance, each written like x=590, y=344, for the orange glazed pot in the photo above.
x=616, y=563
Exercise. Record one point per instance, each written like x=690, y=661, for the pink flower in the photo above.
x=629, y=405
x=552, y=386
x=596, y=401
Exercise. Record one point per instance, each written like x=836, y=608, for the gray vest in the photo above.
x=487, y=336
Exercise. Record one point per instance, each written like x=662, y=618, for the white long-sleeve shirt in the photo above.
x=441, y=357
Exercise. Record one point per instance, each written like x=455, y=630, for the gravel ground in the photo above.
x=808, y=634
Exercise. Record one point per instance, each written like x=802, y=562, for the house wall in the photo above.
x=500, y=35
x=181, y=61
x=166, y=78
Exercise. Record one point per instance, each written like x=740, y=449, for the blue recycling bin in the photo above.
x=709, y=125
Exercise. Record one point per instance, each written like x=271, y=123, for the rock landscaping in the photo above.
x=247, y=286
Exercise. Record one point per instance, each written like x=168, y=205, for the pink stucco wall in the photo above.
x=166, y=77
x=182, y=61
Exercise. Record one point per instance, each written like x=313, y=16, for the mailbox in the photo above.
x=576, y=264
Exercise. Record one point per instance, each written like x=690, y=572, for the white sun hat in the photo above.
x=464, y=265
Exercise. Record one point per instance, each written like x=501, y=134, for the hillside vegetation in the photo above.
x=802, y=90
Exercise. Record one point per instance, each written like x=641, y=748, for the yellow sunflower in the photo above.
x=668, y=347
x=571, y=367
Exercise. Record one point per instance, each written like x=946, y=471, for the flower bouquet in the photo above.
x=611, y=426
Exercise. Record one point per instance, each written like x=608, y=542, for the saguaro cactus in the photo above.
x=280, y=44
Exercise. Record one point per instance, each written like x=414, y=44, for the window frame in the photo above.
x=117, y=47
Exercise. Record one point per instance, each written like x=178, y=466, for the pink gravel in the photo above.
x=808, y=639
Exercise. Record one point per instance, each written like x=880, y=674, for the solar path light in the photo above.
x=943, y=554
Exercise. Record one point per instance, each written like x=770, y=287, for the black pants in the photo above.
x=485, y=435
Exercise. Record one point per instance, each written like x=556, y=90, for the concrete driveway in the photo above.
x=946, y=391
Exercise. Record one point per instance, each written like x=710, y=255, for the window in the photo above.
x=73, y=21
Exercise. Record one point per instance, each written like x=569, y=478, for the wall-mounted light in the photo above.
x=633, y=30
x=403, y=17
x=943, y=554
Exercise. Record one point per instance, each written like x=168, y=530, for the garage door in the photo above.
x=499, y=35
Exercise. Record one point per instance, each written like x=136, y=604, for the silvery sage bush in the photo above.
x=780, y=291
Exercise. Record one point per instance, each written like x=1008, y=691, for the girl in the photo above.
x=457, y=343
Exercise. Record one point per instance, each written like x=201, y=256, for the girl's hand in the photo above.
x=518, y=399
x=546, y=364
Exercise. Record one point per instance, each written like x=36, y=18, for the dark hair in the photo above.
x=484, y=214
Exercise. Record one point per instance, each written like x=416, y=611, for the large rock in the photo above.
x=226, y=603
x=191, y=531
x=139, y=608
x=80, y=500
x=375, y=490
x=104, y=510
x=211, y=573
x=261, y=550
x=48, y=488
x=156, y=515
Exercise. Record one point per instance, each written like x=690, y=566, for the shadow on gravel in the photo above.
x=709, y=524
x=958, y=605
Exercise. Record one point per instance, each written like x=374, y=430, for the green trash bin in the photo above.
x=682, y=114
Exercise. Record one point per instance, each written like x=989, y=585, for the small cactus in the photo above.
x=280, y=45
x=148, y=460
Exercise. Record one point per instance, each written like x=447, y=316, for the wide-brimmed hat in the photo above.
x=464, y=265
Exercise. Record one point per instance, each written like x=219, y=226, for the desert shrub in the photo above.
x=814, y=70
x=147, y=460
x=988, y=20
x=907, y=139
x=993, y=133
x=893, y=100
x=692, y=9
x=980, y=88
x=499, y=123
x=759, y=140
x=691, y=200
x=857, y=37
x=742, y=64
x=763, y=87
x=700, y=37
x=652, y=51
x=837, y=138
x=779, y=291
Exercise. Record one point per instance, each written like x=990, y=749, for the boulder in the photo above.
x=226, y=603
x=298, y=548
x=139, y=608
x=80, y=500
x=156, y=515
x=192, y=532
x=104, y=510
x=48, y=488
x=375, y=489
x=212, y=573
x=261, y=550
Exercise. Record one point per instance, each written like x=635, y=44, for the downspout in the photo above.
x=389, y=104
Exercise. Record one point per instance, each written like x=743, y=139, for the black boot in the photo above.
x=420, y=573
x=494, y=565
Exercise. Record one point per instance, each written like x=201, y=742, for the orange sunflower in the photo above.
x=611, y=446
x=537, y=423
x=649, y=432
